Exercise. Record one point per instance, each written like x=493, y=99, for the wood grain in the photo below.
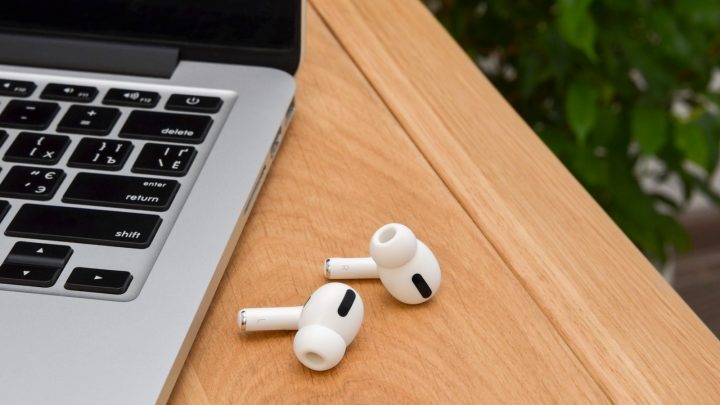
x=632, y=332
x=347, y=167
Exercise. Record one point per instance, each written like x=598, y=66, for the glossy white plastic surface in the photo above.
x=337, y=268
x=260, y=319
x=406, y=266
x=327, y=324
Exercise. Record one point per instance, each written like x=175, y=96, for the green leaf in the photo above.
x=577, y=26
x=591, y=170
x=649, y=127
x=672, y=39
x=581, y=108
x=607, y=125
x=690, y=139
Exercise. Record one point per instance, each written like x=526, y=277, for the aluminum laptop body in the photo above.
x=196, y=118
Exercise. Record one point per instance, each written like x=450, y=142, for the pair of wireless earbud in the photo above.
x=331, y=317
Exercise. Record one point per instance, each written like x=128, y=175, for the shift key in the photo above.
x=98, y=227
x=167, y=127
x=143, y=193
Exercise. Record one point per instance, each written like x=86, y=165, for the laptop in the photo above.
x=134, y=138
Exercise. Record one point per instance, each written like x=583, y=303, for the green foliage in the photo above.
x=648, y=127
x=581, y=109
x=609, y=85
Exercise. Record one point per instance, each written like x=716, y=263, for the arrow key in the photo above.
x=40, y=254
x=34, y=264
x=99, y=281
x=27, y=274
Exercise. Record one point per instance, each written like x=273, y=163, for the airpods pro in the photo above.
x=326, y=324
x=406, y=267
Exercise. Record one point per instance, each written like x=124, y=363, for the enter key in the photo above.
x=141, y=193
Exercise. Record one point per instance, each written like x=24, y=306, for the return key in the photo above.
x=141, y=193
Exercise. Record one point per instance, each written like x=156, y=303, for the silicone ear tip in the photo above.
x=319, y=348
x=393, y=245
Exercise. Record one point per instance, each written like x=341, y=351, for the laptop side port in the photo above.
x=281, y=131
x=256, y=187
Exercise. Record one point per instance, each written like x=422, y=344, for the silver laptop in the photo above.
x=134, y=138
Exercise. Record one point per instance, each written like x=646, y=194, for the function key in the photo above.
x=32, y=183
x=165, y=160
x=69, y=92
x=183, y=128
x=16, y=88
x=186, y=102
x=100, y=154
x=89, y=120
x=100, y=281
x=37, y=148
x=131, y=98
x=28, y=114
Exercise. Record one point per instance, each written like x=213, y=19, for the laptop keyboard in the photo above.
x=92, y=178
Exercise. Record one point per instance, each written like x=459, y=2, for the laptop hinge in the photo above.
x=96, y=56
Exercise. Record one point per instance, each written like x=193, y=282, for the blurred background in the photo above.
x=627, y=94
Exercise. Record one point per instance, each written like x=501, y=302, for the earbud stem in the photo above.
x=259, y=319
x=337, y=268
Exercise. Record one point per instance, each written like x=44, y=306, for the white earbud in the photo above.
x=326, y=324
x=406, y=267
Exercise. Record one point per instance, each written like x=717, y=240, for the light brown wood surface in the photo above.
x=626, y=325
x=543, y=298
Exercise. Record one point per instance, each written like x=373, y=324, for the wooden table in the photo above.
x=543, y=298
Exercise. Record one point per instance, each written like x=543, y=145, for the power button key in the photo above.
x=190, y=103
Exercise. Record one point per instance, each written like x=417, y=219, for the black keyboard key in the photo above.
x=37, y=148
x=184, y=128
x=69, y=92
x=28, y=114
x=27, y=274
x=4, y=208
x=132, y=98
x=100, y=154
x=32, y=183
x=3, y=136
x=89, y=120
x=34, y=264
x=16, y=88
x=40, y=254
x=99, y=281
x=99, y=227
x=121, y=191
x=164, y=160
x=186, y=102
